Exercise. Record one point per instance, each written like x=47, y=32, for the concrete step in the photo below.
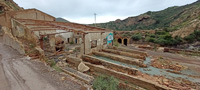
x=120, y=58
x=110, y=65
x=128, y=50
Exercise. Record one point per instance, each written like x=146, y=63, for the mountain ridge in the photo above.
x=174, y=19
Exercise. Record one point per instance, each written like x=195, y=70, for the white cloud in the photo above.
x=81, y=11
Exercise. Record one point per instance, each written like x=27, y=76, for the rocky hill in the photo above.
x=182, y=20
x=61, y=20
x=8, y=5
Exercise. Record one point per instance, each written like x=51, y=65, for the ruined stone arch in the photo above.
x=119, y=40
x=125, y=41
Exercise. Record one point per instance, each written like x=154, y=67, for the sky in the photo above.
x=82, y=11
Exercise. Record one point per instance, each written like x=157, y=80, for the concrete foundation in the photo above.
x=93, y=60
x=81, y=76
x=125, y=77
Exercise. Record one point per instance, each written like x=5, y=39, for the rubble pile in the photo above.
x=166, y=64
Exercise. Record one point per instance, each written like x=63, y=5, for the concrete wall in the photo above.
x=52, y=42
x=32, y=14
x=5, y=19
x=44, y=32
x=11, y=41
x=95, y=36
x=18, y=30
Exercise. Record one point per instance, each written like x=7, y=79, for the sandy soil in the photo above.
x=19, y=73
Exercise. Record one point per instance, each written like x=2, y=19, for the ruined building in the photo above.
x=34, y=25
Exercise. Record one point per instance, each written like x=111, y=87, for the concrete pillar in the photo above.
x=128, y=41
x=52, y=42
x=122, y=41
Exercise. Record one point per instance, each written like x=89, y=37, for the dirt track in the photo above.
x=19, y=73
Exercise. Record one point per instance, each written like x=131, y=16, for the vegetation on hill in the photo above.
x=195, y=36
x=164, y=38
x=172, y=18
x=8, y=5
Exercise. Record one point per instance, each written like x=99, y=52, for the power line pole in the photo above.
x=95, y=19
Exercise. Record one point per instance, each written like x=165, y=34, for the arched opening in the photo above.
x=119, y=40
x=125, y=42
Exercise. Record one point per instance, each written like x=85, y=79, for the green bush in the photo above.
x=126, y=34
x=150, y=39
x=72, y=42
x=105, y=83
x=115, y=43
x=163, y=38
x=195, y=36
x=51, y=63
x=136, y=37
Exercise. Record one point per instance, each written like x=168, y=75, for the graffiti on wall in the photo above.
x=109, y=38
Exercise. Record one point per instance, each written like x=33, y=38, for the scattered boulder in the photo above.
x=82, y=67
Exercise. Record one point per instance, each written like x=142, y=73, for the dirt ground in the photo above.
x=192, y=62
x=171, y=56
x=19, y=73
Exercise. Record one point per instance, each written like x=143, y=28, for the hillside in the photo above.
x=61, y=20
x=8, y=5
x=178, y=18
